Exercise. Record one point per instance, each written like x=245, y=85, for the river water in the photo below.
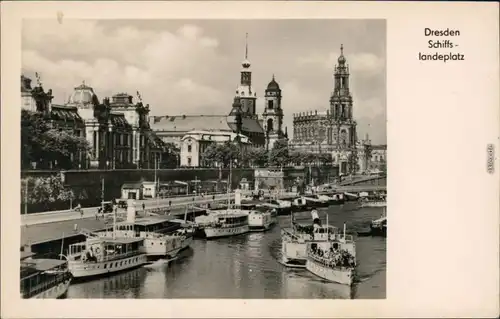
x=247, y=266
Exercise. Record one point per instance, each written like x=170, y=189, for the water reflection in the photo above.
x=122, y=285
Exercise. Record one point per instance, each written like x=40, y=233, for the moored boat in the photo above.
x=43, y=278
x=157, y=244
x=378, y=227
x=299, y=204
x=100, y=256
x=223, y=223
x=315, y=201
x=260, y=219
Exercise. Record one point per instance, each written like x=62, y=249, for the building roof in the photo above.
x=186, y=123
x=82, y=95
x=65, y=113
x=118, y=120
x=248, y=125
x=45, y=264
x=379, y=147
x=273, y=85
x=135, y=185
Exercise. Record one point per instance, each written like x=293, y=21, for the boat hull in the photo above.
x=186, y=242
x=80, y=269
x=264, y=227
x=56, y=292
x=217, y=232
x=374, y=204
x=338, y=275
x=162, y=247
x=378, y=231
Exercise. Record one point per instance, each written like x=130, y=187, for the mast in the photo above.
x=344, y=230
x=102, y=194
x=114, y=223
x=229, y=183
x=26, y=198
x=62, y=245
x=156, y=185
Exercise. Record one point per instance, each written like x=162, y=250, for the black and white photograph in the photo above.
x=173, y=159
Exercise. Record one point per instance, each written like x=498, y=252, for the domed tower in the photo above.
x=273, y=113
x=245, y=91
x=83, y=98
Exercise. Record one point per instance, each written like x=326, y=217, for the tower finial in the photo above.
x=246, y=46
x=273, y=76
x=341, y=49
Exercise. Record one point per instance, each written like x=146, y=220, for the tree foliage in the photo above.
x=279, y=156
x=46, y=146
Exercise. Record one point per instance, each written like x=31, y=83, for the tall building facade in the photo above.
x=273, y=114
x=333, y=131
x=116, y=130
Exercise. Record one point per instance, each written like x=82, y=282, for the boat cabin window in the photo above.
x=76, y=249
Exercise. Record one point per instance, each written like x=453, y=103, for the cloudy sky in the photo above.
x=192, y=66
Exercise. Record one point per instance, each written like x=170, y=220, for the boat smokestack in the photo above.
x=315, y=217
x=131, y=211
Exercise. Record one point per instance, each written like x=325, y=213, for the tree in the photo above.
x=279, y=155
x=352, y=161
x=170, y=155
x=255, y=157
x=48, y=146
x=222, y=154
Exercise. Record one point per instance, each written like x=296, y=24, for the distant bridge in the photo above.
x=360, y=188
x=365, y=181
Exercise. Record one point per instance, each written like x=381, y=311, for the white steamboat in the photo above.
x=294, y=240
x=43, y=278
x=223, y=223
x=99, y=255
x=157, y=244
x=332, y=260
x=260, y=219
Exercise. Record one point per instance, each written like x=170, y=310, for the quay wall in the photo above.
x=60, y=190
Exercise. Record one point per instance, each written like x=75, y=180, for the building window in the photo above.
x=270, y=104
x=270, y=125
x=189, y=161
x=189, y=148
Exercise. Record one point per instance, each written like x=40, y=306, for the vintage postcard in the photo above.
x=237, y=161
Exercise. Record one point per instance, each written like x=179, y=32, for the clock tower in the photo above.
x=245, y=92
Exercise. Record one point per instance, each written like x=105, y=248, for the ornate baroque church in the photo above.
x=333, y=131
x=262, y=130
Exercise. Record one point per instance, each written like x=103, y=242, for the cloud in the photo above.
x=193, y=67
x=126, y=59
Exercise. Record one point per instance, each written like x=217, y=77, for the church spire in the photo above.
x=246, y=63
x=246, y=46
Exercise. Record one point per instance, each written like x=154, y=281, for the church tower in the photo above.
x=245, y=91
x=343, y=130
x=273, y=113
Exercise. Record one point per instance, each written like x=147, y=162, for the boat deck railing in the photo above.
x=327, y=262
